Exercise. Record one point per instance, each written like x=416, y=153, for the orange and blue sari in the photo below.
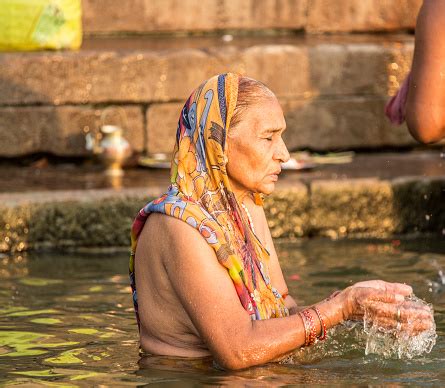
x=200, y=195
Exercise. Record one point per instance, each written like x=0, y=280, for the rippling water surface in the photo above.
x=67, y=320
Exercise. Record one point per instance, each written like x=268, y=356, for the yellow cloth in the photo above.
x=40, y=24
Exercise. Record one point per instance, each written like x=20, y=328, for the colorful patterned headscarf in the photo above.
x=200, y=194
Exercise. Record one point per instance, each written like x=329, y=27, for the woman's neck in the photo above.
x=244, y=196
x=240, y=192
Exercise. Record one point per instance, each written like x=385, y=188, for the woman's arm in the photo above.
x=208, y=296
x=425, y=108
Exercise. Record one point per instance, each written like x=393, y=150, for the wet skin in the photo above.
x=425, y=107
x=187, y=302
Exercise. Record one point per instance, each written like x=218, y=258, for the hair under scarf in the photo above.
x=200, y=194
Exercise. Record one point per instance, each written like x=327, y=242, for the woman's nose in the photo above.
x=281, y=152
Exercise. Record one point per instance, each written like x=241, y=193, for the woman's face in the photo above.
x=255, y=148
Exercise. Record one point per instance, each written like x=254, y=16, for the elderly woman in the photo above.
x=205, y=275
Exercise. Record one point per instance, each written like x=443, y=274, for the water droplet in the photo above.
x=425, y=196
x=398, y=341
x=427, y=217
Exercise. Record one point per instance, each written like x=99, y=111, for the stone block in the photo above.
x=58, y=130
x=361, y=15
x=295, y=69
x=284, y=68
x=361, y=207
x=162, y=122
x=320, y=125
x=335, y=208
x=356, y=122
x=148, y=16
x=358, y=68
x=66, y=225
x=418, y=205
x=287, y=212
x=151, y=16
x=103, y=76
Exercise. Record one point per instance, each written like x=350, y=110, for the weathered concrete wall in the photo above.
x=148, y=16
x=348, y=208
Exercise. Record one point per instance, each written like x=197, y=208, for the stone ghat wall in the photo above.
x=355, y=208
x=332, y=87
x=332, y=92
x=313, y=16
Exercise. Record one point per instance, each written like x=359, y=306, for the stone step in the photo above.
x=167, y=16
x=146, y=70
x=347, y=208
x=332, y=88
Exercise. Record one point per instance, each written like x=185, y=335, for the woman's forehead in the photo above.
x=267, y=115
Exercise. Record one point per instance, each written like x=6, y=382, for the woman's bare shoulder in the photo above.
x=169, y=225
x=169, y=234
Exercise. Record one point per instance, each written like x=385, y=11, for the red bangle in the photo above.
x=312, y=329
x=323, y=333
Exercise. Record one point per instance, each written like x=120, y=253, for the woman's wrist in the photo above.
x=314, y=325
x=335, y=309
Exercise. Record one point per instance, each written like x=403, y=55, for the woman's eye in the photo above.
x=269, y=138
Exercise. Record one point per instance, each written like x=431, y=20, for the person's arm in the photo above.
x=209, y=297
x=425, y=107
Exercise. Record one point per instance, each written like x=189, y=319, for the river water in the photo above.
x=67, y=320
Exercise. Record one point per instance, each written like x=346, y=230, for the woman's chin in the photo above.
x=267, y=188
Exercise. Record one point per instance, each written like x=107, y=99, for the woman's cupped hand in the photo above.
x=387, y=305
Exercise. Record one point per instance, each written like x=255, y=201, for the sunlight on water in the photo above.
x=68, y=321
